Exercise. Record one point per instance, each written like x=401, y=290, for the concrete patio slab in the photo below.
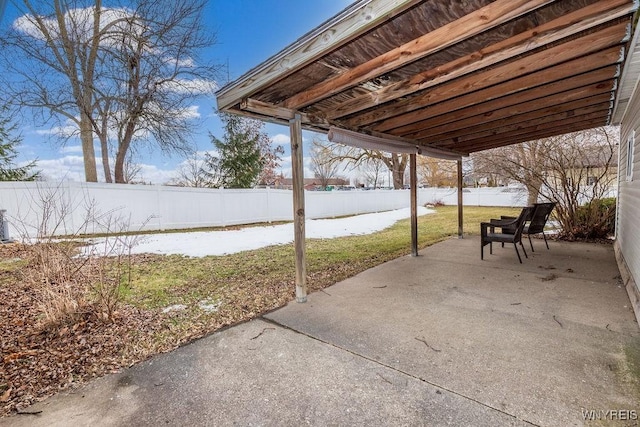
x=543, y=340
x=441, y=339
x=260, y=374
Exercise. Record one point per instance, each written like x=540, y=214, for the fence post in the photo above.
x=268, y=205
x=222, y=219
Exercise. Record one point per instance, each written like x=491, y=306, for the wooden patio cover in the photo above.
x=452, y=76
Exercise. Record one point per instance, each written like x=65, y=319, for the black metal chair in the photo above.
x=537, y=222
x=488, y=234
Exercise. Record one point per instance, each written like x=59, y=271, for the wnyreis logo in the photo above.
x=609, y=414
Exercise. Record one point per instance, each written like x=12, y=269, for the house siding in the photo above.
x=628, y=233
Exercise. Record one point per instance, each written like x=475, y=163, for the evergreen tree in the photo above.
x=8, y=153
x=243, y=153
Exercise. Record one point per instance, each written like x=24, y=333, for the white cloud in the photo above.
x=71, y=149
x=81, y=19
x=191, y=87
x=71, y=168
x=189, y=113
x=65, y=168
x=155, y=175
x=280, y=139
x=66, y=131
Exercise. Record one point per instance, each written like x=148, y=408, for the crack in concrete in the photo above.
x=377, y=362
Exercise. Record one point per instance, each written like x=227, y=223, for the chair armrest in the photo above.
x=504, y=222
x=507, y=224
x=508, y=217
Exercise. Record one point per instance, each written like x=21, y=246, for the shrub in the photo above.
x=596, y=219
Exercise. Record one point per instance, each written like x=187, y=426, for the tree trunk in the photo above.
x=121, y=155
x=118, y=168
x=534, y=184
x=104, y=149
x=399, y=164
x=398, y=179
x=88, y=152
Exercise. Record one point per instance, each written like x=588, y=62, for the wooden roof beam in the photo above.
x=394, y=114
x=579, y=98
x=284, y=114
x=525, y=134
x=512, y=87
x=490, y=16
x=562, y=27
x=591, y=111
x=349, y=24
x=571, y=88
x=560, y=130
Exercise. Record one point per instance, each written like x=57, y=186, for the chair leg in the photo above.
x=545, y=240
x=529, y=236
x=481, y=250
x=515, y=245
x=491, y=248
x=523, y=250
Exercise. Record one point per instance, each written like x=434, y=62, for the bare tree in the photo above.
x=573, y=169
x=396, y=163
x=372, y=171
x=437, y=172
x=191, y=173
x=322, y=163
x=125, y=73
x=132, y=171
x=52, y=57
x=523, y=163
x=157, y=55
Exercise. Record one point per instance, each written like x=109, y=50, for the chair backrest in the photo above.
x=540, y=216
x=521, y=221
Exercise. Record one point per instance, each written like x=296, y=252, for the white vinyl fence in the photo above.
x=78, y=208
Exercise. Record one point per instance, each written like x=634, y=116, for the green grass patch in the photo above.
x=159, y=281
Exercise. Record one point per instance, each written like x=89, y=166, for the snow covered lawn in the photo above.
x=200, y=244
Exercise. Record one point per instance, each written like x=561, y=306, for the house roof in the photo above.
x=457, y=76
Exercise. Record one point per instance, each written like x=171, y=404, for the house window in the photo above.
x=591, y=180
x=631, y=142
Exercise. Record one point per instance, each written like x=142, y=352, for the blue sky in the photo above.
x=247, y=33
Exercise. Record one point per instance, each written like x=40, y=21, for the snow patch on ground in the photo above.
x=204, y=243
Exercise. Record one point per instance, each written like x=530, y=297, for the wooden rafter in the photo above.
x=270, y=110
x=503, y=75
x=482, y=123
x=562, y=27
x=550, y=94
x=555, y=128
x=462, y=76
x=590, y=112
x=514, y=86
x=516, y=139
x=472, y=24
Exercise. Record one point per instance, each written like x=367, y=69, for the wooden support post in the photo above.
x=460, y=224
x=295, y=127
x=414, y=203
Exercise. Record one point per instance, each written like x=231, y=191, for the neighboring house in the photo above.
x=591, y=176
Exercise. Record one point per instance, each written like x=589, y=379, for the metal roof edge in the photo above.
x=630, y=76
x=392, y=7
